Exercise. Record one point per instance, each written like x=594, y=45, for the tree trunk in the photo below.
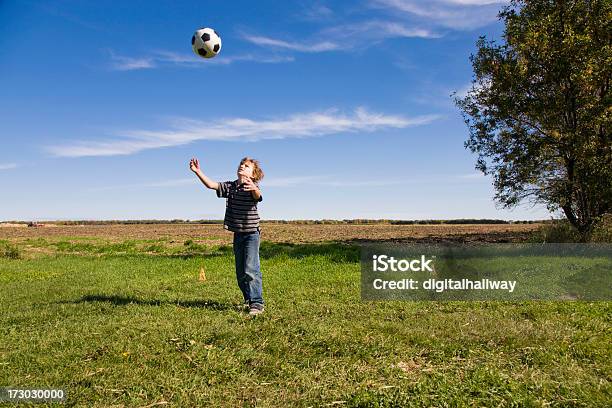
x=584, y=226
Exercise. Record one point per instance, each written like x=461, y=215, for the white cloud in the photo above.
x=176, y=58
x=156, y=184
x=351, y=35
x=184, y=131
x=339, y=181
x=329, y=180
x=455, y=14
x=344, y=37
x=267, y=182
x=360, y=183
x=471, y=176
x=170, y=183
x=7, y=166
x=316, y=12
x=310, y=46
x=475, y=2
x=122, y=63
x=164, y=58
x=192, y=60
x=463, y=91
x=324, y=181
x=289, y=181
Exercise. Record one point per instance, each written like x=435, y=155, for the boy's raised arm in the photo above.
x=194, y=165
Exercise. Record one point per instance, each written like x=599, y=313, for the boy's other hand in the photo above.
x=248, y=185
x=194, y=165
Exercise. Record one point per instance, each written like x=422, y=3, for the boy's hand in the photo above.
x=194, y=165
x=248, y=185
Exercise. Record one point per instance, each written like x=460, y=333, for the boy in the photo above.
x=242, y=219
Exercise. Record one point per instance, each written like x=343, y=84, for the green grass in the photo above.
x=8, y=250
x=119, y=324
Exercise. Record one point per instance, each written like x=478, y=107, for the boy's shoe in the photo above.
x=256, y=309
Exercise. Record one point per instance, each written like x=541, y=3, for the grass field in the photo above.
x=120, y=318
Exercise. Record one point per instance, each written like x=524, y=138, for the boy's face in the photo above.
x=245, y=169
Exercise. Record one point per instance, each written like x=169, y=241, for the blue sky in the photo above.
x=346, y=105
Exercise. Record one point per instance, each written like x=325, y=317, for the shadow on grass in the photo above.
x=334, y=252
x=339, y=250
x=127, y=300
x=348, y=250
x=485, y=237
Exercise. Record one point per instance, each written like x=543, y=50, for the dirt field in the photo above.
x=297, y=233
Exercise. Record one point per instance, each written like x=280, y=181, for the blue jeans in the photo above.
x=248, y=273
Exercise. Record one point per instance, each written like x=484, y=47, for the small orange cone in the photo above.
x=202, y=277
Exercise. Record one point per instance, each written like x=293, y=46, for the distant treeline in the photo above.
x=402, y=222
x=306, y=222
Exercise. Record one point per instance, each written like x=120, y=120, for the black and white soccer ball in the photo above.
x=206, y=42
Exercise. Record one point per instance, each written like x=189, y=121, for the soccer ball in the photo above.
x=206, y=43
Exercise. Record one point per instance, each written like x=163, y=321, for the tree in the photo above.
x=539, y=109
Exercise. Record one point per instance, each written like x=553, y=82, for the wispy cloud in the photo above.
x=155, y=184
x=361, y=183
x=430, y=20
x=310, y=46
x=339, y=181
x=272, y=182
x=471, y=176
x=7, y=166
x=315, y=11
x=123, y=63
x=461, y=92
x=454, y=14
x=343, y=37
x=57, y=11
x=191, y=60
x=475, y=2
x=434, y=94
x=290, y=181
x=328, y=180
x=325, y=181
x=161, y=58
x=352, y=35
x=184, y=131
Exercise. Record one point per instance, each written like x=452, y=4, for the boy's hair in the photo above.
x=258, y=173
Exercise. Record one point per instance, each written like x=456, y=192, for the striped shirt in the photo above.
x=240, y=209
